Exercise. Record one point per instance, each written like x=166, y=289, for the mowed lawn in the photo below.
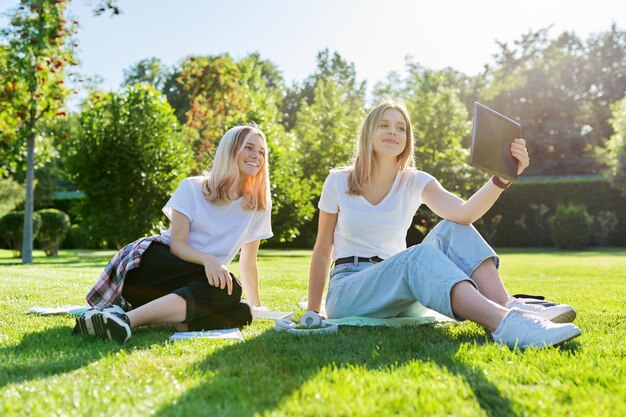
x=435, y=370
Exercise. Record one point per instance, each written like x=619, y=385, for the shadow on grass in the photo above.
x=587, y=253
x=66, y=262
x=53, y=351
x=256, y=376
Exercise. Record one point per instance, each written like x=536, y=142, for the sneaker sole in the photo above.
x=84, y=325
x=559, y=341
x=113, y=332
x=565, y=317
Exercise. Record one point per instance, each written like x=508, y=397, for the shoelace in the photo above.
x=534, y=307
x=523, y=318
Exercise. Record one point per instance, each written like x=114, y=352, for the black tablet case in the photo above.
x=491, y=140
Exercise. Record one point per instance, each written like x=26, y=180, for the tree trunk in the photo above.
x=27, y=237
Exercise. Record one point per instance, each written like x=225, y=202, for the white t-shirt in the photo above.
x=220, y=230
x=368, y=230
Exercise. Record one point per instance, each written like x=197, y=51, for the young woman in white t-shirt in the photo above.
x=365, y=211
x=183, y=275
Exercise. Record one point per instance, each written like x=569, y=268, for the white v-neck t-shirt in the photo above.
x=368, y=230
x=220, y=230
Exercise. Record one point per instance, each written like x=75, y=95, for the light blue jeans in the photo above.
x=422, y=274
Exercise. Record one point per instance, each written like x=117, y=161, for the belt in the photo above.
x=354, y=259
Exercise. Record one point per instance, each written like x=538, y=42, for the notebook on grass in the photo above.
x=491, y=139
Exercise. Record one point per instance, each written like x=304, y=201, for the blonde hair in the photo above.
x=363, y=161
x=220, y=183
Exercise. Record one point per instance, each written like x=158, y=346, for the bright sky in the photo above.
x=376, y=35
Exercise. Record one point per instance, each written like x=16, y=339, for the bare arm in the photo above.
x=249, y=271
x=321, y=259
x=449, y=206
x=217, y=274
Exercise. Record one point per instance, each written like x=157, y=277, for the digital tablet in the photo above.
x=491, y=140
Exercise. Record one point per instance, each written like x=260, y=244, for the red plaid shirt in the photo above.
x=108, y=288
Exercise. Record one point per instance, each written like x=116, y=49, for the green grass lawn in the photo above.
x=436, y=370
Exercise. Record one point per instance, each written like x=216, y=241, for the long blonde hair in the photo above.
x=363, y=161
x=220, y=183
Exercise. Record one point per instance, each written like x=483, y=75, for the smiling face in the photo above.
x=391, y=134
x=252, y=157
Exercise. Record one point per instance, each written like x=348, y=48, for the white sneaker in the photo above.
x=522, y=330
x=556, y=313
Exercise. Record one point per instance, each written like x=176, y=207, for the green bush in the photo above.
x=128, y=157
x=603, y=226
x=79, y=238
x=12, y=229
x=54, y=226
x=570, y=226
x=11, y=194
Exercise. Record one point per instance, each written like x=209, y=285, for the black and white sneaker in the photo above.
x=93, y=323
x=112, y=325
x=83, y=322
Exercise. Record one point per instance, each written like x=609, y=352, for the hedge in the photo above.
x=54, y=226
x=527, y=206
x=12, y=229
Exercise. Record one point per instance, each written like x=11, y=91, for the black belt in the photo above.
x=351, y=259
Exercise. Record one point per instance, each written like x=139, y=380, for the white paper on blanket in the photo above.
x=67, y=309
x=231, y=334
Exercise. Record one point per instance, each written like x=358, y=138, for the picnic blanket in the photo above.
x=418, y=315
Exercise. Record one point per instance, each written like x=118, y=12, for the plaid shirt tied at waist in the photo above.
x=108, y=288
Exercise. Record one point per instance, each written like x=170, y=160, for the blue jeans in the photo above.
x=422, y=274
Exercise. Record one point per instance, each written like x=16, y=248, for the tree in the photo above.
x=542, y=82
x=11, y=194
x=617, y=146
x=330, y=68
x=167, y=80
x=605, y=78
x=150, y=71
x=328, y=117
x=127, y=157
x=326, y=124
x=326, y=130
x=10, y=146
x=40, y=48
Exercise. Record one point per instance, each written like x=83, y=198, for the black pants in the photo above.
x=161, y=273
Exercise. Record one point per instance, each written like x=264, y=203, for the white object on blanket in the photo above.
x=311, y=319
x=290, y=327
x=67, y=309
x=232, y=334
